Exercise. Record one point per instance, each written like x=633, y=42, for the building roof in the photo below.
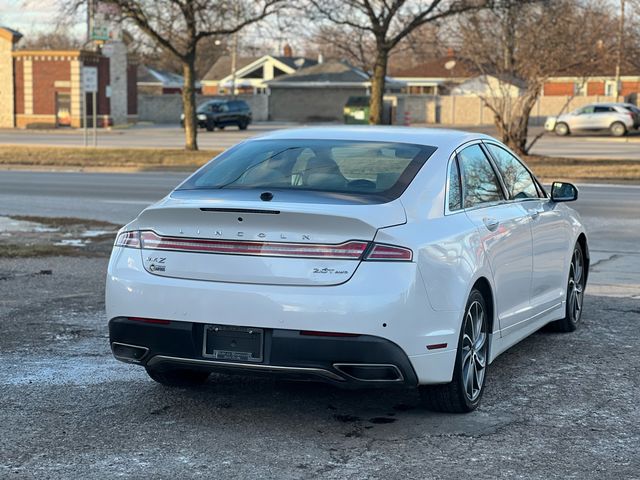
x=444, y=67
x=222, y=67
x=330, y=72
x=462, y=68
x=150, y=75
x=10, y=34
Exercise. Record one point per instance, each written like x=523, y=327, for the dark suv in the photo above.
x=220, y=113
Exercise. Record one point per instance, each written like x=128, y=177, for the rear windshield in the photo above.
x=350, y=167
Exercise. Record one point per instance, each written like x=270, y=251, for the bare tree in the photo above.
x=521, y=44
x=179, y=26
x=358, y=48
x=384, y=24
x=55, y=40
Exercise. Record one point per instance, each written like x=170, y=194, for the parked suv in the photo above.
x=615, y=117
x=221, y=113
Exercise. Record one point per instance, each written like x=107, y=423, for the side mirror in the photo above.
x=563, y=192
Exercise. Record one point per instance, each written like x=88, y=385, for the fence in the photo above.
x=167, y=108
x=471, y=110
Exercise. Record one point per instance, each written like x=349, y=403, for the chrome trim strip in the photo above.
x=126, y=359
x=398, y=372
x=245, y=366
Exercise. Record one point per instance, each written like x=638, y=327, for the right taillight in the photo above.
x=386, y=253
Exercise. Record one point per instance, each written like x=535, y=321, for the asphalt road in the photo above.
x=171, y=136
x=611, y=213
x=556, y=406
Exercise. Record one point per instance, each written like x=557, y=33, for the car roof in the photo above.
x=437, y=137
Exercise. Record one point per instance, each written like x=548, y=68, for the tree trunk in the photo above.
x=189, y=104
x=516, y=137
x=377, y=87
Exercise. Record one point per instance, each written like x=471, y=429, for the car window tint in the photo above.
x=455, y=191
x=603, y=109
x=353, y=167
x=480, y=181
x=586, y=110
x=517, y=179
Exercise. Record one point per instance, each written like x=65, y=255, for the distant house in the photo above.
x=436, y=77
x=600, y=81
x=319, y=92
x=152, y=81
x=252, y=73
x=442, y=76
x=489, y=86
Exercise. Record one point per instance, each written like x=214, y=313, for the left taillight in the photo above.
x=128, y=239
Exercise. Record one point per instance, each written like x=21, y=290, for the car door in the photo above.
x=550, y=231
x=223, y=114
x=505, y=234
x=603, y=117
x=583, y=119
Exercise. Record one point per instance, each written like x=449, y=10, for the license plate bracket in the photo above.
x=233, y=344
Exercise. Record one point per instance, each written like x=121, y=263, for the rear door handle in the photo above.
x=491, y=223
x=535, y=214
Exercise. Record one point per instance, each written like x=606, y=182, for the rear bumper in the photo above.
x=383, y=300
x=345, y=361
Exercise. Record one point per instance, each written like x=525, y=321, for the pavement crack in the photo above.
x=605, y=260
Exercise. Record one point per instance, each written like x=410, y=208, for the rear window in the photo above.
x=351, y=167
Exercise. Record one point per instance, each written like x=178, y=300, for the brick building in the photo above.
x=43, y=88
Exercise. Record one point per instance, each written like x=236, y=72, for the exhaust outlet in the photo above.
x=128, y=353
x=370, y=372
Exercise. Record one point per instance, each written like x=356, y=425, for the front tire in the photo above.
x=562, y=129
x=464, y=392
x=178, y=377
x=575, y=293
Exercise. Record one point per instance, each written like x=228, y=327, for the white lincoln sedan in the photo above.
x=360, y=256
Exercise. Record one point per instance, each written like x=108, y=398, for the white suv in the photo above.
x=602, y=116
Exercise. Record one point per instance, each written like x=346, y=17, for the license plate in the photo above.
x=239, y=344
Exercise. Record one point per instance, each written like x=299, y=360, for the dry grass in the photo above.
x=101, y=158
x=571, y=169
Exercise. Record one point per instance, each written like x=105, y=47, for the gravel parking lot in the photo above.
x=556, y=406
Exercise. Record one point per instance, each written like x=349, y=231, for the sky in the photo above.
x=31, y=16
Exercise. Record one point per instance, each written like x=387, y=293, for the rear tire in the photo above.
x=464, y=392
x=618, y=129
x=178, y=377
x=243, y=125
x=562, y=129
x=575, y=293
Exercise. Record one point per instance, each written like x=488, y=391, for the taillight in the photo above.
x=128, y=239
x=351, y=250
x=382, y=252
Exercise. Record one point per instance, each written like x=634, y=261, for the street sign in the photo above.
x=90, y=79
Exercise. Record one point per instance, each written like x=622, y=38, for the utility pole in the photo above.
x=89, y=20
x=234, y=60
x=617, y=88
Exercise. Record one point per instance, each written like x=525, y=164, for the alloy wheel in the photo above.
x=474, y=350
x=576, y=286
